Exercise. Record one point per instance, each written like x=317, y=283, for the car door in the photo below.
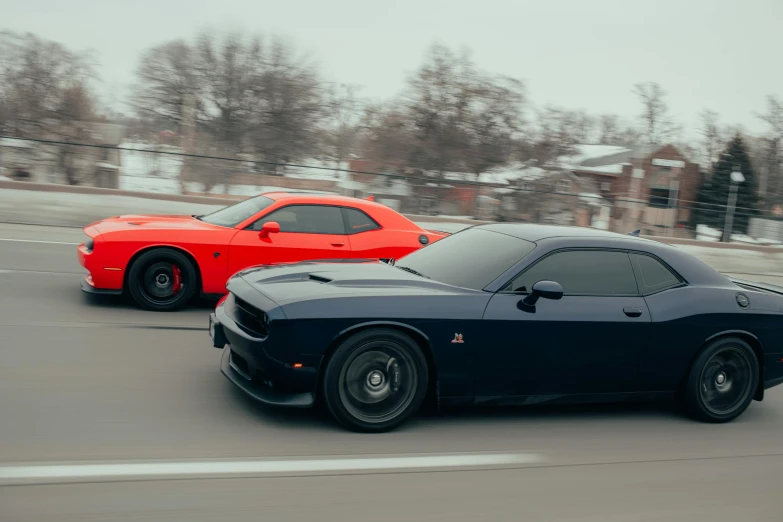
x=589, y=341
x=306, y=232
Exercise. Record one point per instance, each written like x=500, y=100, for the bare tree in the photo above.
x=167, y=87
x=36, y=76
x=493, y=123
x=288, y=109
x=387, y=135
x=227, y=72
x=558, y=130
x=658, y=127
x=438, y=100
x=771, y=167
x=608, y=129
x=45, y=92
x=461, y=118
x=713, y=139
x=342, y=122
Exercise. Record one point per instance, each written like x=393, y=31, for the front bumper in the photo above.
x=101, y=279
x=88, y=287
x=246, y=364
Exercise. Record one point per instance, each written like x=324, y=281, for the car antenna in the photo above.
x=635, y=233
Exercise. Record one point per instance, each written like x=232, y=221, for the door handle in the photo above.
x=630, y=311
x=338, y=244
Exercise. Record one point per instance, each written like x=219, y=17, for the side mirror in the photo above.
x=270, y=227
x=545, y=289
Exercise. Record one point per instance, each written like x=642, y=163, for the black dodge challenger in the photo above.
x=502, y=314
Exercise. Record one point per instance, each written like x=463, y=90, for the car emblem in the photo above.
x=457, y=339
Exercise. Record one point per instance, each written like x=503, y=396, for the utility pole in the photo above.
x=736, y=179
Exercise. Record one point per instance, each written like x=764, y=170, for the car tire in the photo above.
x=162, y=280
x=375, y=380
x=722, y=381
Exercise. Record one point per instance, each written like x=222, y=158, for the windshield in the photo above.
x=472, y=258
x=236, y=214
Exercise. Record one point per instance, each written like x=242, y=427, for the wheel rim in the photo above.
x=726, y=381
x=378, y=382
x=162, y=282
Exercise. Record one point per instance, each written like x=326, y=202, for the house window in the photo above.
x=606, y=186
x=563, y=186
x=659, y=198
x=528, y=187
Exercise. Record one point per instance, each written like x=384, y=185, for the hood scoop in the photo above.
x=319, y=279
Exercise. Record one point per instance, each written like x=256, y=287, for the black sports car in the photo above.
x=502, y=314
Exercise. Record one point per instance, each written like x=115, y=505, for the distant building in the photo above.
x=651, y=188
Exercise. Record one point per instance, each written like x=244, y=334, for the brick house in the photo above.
x=651, y=188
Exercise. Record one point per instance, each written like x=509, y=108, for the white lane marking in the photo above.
x=260, y=467
x=11, y=271
x=13, y=240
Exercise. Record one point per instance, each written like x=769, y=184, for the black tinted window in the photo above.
x=652, y=275
x=358, y=221
x=472, y=258
x=591, y=272
x=308, y=219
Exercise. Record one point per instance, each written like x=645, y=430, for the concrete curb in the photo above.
x=223, y=200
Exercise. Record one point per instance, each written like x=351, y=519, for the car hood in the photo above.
x=318, y=280
x=158, y=222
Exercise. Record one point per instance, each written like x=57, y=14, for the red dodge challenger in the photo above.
x=163, y=261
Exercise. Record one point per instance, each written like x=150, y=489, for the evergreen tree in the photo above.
x=714, y=193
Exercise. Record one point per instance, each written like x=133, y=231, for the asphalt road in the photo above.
x=86, y=381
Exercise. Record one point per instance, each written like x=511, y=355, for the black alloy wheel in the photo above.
x=162, y=280
x=375, y=380
x=722, y=381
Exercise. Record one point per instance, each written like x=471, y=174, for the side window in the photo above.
x=307, y=219
x=652, y=275
x=357, y=221
x=585, y=272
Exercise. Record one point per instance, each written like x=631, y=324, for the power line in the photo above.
x=381, y=174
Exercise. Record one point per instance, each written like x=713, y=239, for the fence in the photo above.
x=533, y=195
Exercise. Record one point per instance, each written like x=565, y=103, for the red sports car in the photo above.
x=163, y=261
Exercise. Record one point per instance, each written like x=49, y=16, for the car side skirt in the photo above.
x=587, y=398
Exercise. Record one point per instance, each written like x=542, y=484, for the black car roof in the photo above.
x=552, y=237
x=533, y=232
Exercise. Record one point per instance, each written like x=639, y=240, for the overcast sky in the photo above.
x=726, y=55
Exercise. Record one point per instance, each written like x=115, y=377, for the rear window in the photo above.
x=358, y=221
x=652, y=275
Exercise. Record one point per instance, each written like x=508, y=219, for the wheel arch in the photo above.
x=179, y=249
x=755, y=344
x=432, y=398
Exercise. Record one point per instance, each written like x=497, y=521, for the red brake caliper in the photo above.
x=177, y=279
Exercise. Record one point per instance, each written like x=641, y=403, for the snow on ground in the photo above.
x=15, y=143
x=502, y=176
x=615, y=169
x=150, y=184
x=326, y=170
x=590, y=152
x=241, y=190
x=142, y=160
